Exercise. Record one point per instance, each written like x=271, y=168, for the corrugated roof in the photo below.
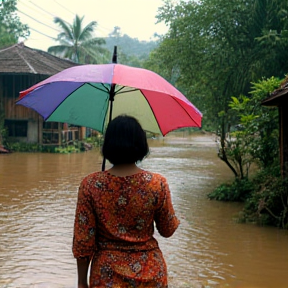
x=21, y=59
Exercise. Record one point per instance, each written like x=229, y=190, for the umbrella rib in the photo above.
x=132, y=90
x=116, y=92
x=104, y=90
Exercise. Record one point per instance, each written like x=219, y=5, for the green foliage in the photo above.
x=265, y=197
x=130, y=51
x=11, y=29
x=73, y=147
x=78, y=43
x=67, y=150
x=24, y=147
x=253, y=138
x=216, y=48
x=239, y=190
x=268, y=204
x=259, y=124
x=96, y=141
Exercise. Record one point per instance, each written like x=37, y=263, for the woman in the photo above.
x=116, y=212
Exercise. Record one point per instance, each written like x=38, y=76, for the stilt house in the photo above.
x=20, y=68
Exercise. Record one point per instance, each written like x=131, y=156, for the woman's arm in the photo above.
x=84, y=244
x=165, y=218
x=82, y=268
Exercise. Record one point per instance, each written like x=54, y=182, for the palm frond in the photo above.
x=94, y=56
x=76, y=43
x=87, y=31
x=58, y=49
x=77, y=27
x=67, y=28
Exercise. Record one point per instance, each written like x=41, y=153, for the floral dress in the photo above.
x=114, y=226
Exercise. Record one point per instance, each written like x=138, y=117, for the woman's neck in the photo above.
x=123, y=170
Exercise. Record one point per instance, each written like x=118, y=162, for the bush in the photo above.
x=267, y=205
x=237, y=191
x=72, y=147
x=96, y=141
x=24, y=147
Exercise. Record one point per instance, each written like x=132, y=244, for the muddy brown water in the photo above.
x=38, y=195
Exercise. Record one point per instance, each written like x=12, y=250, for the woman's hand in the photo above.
x=83, y=286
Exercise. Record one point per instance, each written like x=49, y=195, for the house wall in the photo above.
x=284, y=137
x=33, y=131
x=10, y=87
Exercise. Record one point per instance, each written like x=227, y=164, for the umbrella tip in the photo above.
x=114, y=57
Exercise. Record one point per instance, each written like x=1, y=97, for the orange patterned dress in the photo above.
x=114, y=226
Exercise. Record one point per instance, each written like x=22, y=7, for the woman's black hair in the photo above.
x=125, y=141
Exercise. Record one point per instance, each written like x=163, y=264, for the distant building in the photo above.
x=20, y=68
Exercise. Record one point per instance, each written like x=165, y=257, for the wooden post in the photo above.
x=284, y=138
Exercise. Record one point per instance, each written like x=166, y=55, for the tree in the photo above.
x=77, y=42
x=130, y=51
x=255, y=137
x=11, y=29
x=253, y=141
x=216, y=48
x=116, y=33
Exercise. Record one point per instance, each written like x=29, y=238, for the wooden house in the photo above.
x=279, y=98
x=20, y=68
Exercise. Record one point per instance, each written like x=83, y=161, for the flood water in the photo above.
x=38, y=194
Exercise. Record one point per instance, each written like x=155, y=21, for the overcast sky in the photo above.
x=136, y=18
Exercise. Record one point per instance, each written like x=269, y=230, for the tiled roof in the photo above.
x=20, y=59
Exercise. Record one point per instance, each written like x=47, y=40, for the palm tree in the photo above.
x=78, y=44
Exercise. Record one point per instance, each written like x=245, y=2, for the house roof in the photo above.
x=277, y=96
x=20, y=59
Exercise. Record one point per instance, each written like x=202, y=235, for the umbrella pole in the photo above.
x=111, y=98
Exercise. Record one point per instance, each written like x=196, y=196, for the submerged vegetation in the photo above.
x=254, y=141
x=65, y=148
x=268, y=202
x=227, y=75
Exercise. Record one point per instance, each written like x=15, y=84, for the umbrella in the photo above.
x=92, y=95
x=84, y=95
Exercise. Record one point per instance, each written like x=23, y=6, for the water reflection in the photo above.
x=37, y=202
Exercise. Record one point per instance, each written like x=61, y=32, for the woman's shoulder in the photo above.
x=94, y=176
x=156, y=176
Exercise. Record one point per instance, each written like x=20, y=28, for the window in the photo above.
x=16, y=128
x=50, y=138
x=51, y=125
x=51, y=132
